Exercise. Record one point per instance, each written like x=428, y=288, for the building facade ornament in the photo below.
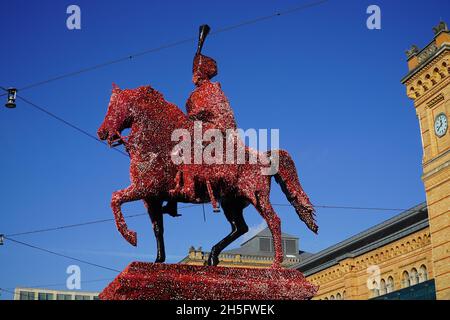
x=442, y=26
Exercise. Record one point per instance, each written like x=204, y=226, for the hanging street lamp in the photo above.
x=12, y=93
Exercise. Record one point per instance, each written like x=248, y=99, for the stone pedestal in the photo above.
x=157, y=281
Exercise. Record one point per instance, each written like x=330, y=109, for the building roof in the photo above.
x=429, y=52
x=267, y=234
x=56, y=290
x=250, y=248
x=426, y=61
x=397, y=227
x=253, y=253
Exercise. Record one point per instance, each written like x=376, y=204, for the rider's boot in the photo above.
x=187, y=190
x=171, y=208
x=174, y=192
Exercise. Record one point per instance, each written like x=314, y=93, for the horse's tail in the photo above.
x=287, y=178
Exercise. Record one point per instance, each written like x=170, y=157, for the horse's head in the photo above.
x=133, y=106
x=120, y=113
x=117, y=117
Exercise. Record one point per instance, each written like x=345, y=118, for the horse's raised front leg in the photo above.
x=266, y=210
x=234, y=214
x=118, y=198
x=154, y=208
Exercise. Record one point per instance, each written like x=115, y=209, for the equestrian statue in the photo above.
x=160, y=182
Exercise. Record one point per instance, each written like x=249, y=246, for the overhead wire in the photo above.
x=131, y=56
x=61, y=255
x=92, y=222
x=81, y=224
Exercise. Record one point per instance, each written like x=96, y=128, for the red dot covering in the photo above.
x=150, y=281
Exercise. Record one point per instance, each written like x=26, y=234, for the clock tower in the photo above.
x=428, y=85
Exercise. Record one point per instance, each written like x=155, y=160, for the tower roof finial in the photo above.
x=442, y=26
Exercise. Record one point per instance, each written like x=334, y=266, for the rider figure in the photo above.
x=207, y=103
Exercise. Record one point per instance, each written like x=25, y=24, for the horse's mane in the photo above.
x=158, y=98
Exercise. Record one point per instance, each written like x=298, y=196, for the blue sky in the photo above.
x=331, y=86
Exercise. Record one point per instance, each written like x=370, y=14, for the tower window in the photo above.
x=375, y=289
x=390, y=285
x=383, y=289
x=423, y=275
x=414, y=276
x=406, y=281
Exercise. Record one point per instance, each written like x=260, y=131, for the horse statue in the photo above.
x=152, y=120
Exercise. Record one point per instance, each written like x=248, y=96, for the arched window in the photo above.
x=383, y=287
x=414, y=276
x=332, y=297
x=338, y=296
x=343, y=295
x=423, y=274
x=405, y=279
x=375, y=289
x=390, y=285
x=326, y=298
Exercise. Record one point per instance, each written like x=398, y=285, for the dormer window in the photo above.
x=289, y=245
x=265, y=244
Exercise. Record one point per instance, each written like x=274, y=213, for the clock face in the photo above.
x=440, y=125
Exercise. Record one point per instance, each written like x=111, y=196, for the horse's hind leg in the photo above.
x=266, y=210
x=118, y=198
x=234, y=213
x=154, y=208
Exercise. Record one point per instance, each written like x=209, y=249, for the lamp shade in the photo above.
x=11, y=103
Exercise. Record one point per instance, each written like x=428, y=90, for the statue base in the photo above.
x=159, y=281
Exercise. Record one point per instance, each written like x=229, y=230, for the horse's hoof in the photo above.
x=160, y=260
x=131, y=237
x=174, y=215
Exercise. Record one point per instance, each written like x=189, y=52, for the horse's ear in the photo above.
x=146, y=89
x=115, y=88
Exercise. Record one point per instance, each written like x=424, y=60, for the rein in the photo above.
x=120, y=140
